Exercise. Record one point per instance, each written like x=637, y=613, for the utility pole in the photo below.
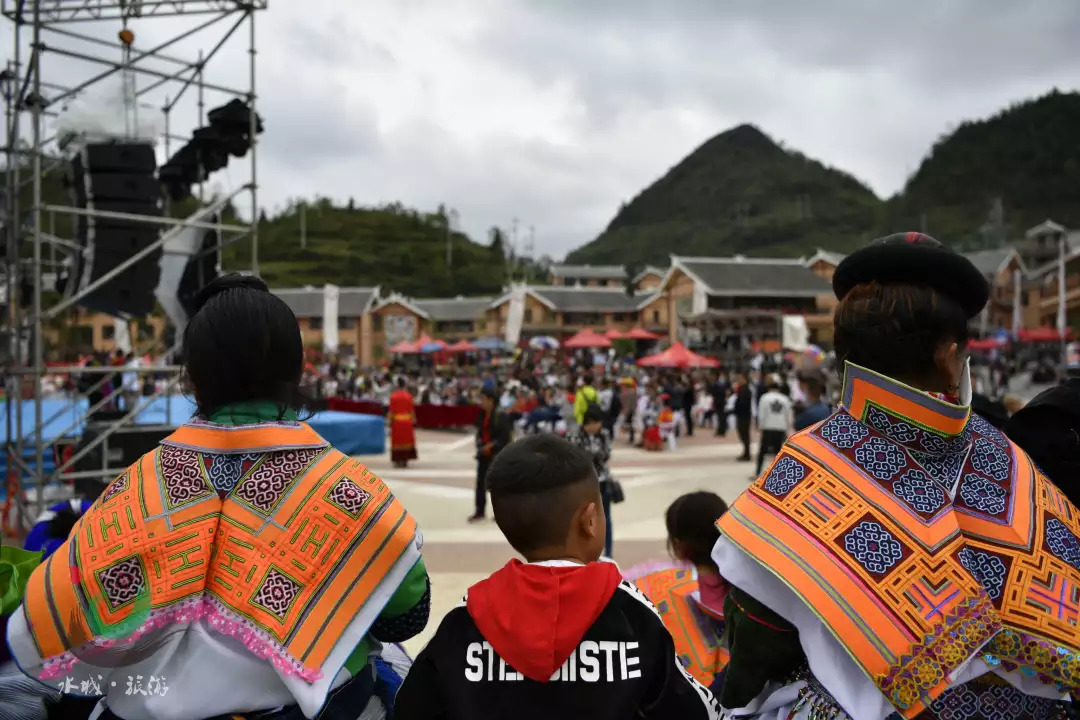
x=303, y=225
x=451, y=224
x=511, y=257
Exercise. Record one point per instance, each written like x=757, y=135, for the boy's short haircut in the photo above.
x=593, y=413
x=536, y=486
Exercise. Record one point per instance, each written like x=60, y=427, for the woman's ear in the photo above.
x=948, y=365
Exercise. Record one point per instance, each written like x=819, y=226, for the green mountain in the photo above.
x=399, y=248
x=1027, y=156
x=740, y=192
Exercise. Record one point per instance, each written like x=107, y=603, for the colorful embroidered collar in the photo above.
x=923, y=539
x=915, y=419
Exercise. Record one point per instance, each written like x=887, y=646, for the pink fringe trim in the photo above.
x=650, y=566
x=257, y=641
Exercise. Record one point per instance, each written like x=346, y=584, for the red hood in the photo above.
x=535, y=615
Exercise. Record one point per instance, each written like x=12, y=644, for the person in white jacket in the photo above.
x=774, y=418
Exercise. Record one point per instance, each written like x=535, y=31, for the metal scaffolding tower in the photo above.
x=42, y=30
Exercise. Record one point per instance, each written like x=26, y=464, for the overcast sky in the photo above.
x=556, y=111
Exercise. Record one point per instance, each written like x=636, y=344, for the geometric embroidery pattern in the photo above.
x=348, y=496
x=268, y=483
x=988, y=431
x=169, y=536
x=943, y=468
x=980, y=494
x=995, y=571
x=986, y=698
x=843, y=431
x=277, y=593
x=874, y=547
x=118, y=486
x=785, y=474
x=122, y=581
x=920, y=492
x=988, y=569
x=182, y=476
x=990, y=460
x=880, y=458
x=224, y=471
x=1062, y=542
x=897, y=430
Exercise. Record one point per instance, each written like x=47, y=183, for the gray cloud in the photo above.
x=555, y=111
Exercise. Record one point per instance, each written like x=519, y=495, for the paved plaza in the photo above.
x=438, y=490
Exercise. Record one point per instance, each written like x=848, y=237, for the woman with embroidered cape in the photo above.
x=902, y=558
x=244, y=567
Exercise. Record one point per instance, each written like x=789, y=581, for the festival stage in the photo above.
x=351, y=433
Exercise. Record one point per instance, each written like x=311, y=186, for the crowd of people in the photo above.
x=899, y=556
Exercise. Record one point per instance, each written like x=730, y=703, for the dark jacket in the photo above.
x=542, y=642
x=744, y=403
x=497, y=429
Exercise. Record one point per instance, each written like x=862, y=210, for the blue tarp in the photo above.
x=351, y=433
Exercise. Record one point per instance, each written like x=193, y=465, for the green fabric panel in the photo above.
x=16, y=565
x=409, y=592
x=759, y=653
x=251, y=413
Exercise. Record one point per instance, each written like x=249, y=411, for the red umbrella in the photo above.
x=462, y=346
x=640, y=333
x=1043, y=334
x=587, y=339
x=614, y=334
x=405, y=348
x=677, y=356
x=985, y=344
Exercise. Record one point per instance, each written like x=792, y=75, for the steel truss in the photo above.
x=29, y=100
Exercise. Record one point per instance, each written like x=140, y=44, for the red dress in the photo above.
x=402, y=436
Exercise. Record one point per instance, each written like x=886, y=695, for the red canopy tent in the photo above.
x=640, y=333
x=986, y=344
x=1043, y=334
x=432, y=346
x=677, y=356
x=462, y=346
x=406, y=347
x=614, y=334
x=587, y=339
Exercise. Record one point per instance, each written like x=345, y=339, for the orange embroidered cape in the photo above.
x=265, y=531
x=921, y=537
x=696, y=634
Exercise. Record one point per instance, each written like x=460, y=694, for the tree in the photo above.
x=632, y=270
x=498, y=241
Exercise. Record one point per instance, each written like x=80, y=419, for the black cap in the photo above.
x=916, y=259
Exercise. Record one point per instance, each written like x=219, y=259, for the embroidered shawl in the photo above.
x=264, y=531
x=922, y=538
x=697, y=635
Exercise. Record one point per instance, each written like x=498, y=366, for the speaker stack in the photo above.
x=120, y=178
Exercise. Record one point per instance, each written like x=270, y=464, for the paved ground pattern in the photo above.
x=438, y=490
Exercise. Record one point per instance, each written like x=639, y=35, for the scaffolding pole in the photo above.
x=23, y=83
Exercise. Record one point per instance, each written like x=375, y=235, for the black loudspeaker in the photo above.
x=229, y=134
x=124, y=447
x=116, y=177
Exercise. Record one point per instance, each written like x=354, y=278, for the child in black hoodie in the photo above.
x=562, y=635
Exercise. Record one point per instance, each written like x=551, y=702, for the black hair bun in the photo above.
x=62, y=523
x=232, y=281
